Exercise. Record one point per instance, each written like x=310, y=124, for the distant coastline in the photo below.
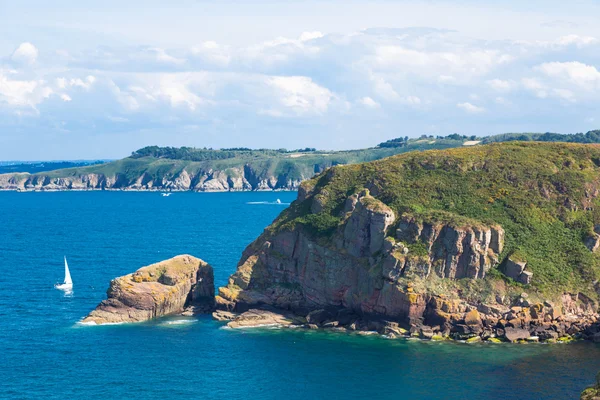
x=143, y=190
x=173, y=169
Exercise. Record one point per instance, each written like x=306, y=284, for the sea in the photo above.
x=46, y=354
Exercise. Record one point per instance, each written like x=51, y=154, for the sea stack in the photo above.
x=182, y=283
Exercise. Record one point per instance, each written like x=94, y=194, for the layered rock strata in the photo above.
x=168, y=287
x=377, y=271
x=233, y=179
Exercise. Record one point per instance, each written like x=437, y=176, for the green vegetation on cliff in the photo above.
x=202, y=169
x=593, y=392
x=546, y=196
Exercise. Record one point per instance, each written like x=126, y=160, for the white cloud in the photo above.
x=470, y=108
x=564, y=94
x=500, y=85
x=301, y=94
x=459, y=61
x=402, y=72
x=579, y=41
x=26, y=53
x=535, y=86
x=281, y=50
x=306, y=36
x=411, y=100
x=384, y=88
x=23, y=93
x=446, y=79
x=162, y=56
x=580, y=74
x=502, y=101
x=85, y=84
x=213, y=53
x=369, y=102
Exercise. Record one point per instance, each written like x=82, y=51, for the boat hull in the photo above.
x=64, y=286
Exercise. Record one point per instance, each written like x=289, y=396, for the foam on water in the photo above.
x=180, y=322
x=267, y=203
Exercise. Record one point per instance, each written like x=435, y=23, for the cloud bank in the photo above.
x=320, y=90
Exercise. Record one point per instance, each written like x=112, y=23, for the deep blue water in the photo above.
x=45, y=354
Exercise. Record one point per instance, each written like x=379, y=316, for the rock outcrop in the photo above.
x=168, y=287
x=593, y=392
x=515, y=269
x=364, y=248
x=365, y=270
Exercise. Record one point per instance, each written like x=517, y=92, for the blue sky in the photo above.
x=84, y=80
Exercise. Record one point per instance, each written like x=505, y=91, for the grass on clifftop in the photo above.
x=545, y=196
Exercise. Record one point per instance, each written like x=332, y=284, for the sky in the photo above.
x=98, y=80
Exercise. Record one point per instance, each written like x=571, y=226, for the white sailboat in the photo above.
x=278, y=201
x=67, y=285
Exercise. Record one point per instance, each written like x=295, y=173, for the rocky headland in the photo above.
x=234, y=179
x=496, y=243
x=183, y=284
x=198, y=170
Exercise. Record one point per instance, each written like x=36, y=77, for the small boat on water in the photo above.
x=166, y=194
x=278, y=201
x=67, y=285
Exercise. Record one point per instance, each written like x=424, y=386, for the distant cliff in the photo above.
x=187, y=169
x=237, y=169
x=497, y=242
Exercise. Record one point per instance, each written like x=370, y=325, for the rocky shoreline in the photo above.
x=184, y=285
x=513, y=324
x=153, y=190
x=358, y=251
x=234, y=179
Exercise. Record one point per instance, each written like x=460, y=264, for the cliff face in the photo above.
x=233, y=179
x=164, y=288
x=366, y=243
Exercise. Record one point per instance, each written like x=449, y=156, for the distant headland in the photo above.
x=241, y=169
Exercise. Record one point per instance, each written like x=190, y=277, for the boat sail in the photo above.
x=68, y=283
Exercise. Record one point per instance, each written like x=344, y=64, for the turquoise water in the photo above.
x=45, y=354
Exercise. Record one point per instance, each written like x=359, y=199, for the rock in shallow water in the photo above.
x=254, y=318
x=164, y=288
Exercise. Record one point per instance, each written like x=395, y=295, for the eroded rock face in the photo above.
x=160, y=289
x=362, y=268
x=515, y=269
x=366, y=269
x=367, y=226
x=232, y=179
x=466, y=251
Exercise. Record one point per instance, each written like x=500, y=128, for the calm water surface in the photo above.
x=45, y=354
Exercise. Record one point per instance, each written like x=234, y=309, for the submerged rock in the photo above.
x=255, y=318
x=593, y=392
x=167, y=287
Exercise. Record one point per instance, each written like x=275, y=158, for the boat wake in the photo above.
x=277, y=203
x=92, y=323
